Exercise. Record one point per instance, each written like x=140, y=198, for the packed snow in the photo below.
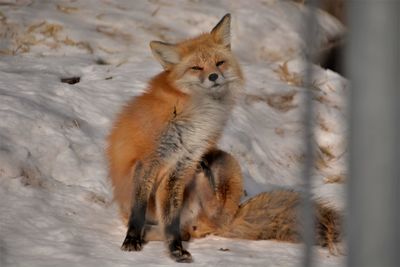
x=55, y=199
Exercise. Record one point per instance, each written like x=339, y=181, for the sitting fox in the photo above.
x=169, y=178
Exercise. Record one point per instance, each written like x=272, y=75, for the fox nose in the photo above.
x=213, y=77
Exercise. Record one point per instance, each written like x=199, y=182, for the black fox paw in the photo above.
x=181, y=255
x=178, y=254
x=132, y=244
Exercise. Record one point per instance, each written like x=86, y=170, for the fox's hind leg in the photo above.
x=219, y=187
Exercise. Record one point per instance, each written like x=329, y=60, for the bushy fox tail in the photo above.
x=275, y=215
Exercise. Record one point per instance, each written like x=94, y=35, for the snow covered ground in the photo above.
x=55, y=201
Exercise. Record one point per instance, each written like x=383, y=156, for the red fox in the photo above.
x=170, y=180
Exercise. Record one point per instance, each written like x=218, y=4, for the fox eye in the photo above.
x=219, y=63
x=196, y=68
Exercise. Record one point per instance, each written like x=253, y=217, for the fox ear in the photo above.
x=166, y=54
x=222, y=31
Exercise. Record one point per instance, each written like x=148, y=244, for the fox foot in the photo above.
x=179, y=254
x=132, y=243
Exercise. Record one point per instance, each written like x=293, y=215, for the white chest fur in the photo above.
x=190, y=131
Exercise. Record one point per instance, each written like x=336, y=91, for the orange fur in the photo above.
x=135, y=133
x=275, y=215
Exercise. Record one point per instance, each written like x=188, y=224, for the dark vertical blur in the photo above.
x=307, y=212
x=372, y=64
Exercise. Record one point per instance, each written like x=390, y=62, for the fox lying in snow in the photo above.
x=170, y=180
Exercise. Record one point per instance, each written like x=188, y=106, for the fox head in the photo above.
x=204, y=64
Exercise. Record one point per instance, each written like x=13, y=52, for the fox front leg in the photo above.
x=143, y=178
x=169, y=201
